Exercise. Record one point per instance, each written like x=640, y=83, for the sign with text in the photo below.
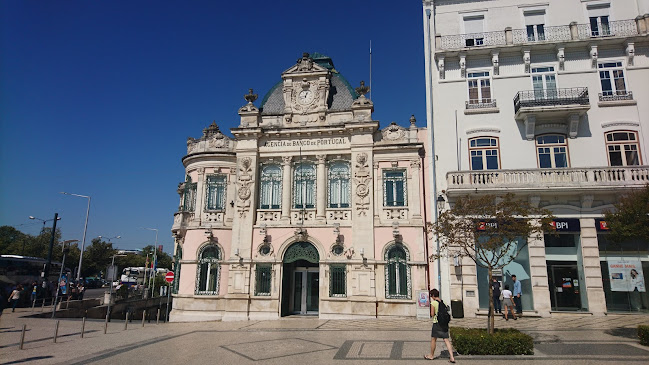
x=626, y=275
x=566, y=225
x=310, y=143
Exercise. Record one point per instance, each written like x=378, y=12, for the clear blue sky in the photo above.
x=98, y=97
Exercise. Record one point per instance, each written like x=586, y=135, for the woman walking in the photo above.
x=508, y=302
x=15, y=297
x=438, y=331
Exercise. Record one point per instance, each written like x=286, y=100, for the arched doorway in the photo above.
x=301, y=280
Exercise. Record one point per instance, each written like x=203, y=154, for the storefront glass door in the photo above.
x=565, y=285
x=305, y=290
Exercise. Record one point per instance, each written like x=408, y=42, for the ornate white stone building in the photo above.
x=310, y=209
x=549, y=101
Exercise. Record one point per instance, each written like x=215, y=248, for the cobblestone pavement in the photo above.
x=563, y=339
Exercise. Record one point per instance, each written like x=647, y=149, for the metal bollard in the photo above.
x=56, y=331
x=83, y=326
x=143, y=317
x=33, y=305
x=106, y=324
x=22, y=336
x=126, y=322
x=43, y=305
x=157, y=318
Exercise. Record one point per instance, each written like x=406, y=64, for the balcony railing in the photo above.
x=550, y=34
x=618, y=95
x=551, y=97
x=544, y=178
x=473, y=40
x=480, y=104
x=615, y=28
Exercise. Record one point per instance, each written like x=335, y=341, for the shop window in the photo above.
x=304, y=189
x=339, y=187
x=397, y=274
x=394, y=188
x=337, y=281
x=216, y=185
x=271, y=187
x=207, y=282
x=622, y=148
x=484, y=153
x=263, y=274
x=552, y=151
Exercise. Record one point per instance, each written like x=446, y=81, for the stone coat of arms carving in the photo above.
x=362, y=178
x=243, y=183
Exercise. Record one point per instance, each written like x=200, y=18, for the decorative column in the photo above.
x=286, y=188
x=377, y=192
x=321, y=189
x=593, y=284
x=415, y=197
x=200, y=193
x=539, y=276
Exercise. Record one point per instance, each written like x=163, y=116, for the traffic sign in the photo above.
x=169, y=277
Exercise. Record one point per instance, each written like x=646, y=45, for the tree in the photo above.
x=630, y=220
x=97, y=257
x=491, y=231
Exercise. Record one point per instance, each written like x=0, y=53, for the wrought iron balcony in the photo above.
x=616, y=96
x=551, y=97
x=550, y=34
x=618, y=28
x=481, y=104
x=473, y=40
x=541, y=179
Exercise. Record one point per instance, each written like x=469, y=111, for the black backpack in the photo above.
x=443, y=315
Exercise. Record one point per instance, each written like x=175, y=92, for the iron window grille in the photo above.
x=263, y=276
x=397, y=274
x=339, y=187
x=189, y=195
x=304, y=185
x=207, y=275
x=338, y=281
x=216, y=190
x=271, y=187
x=394, y=188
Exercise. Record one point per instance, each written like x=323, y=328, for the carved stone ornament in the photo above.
x=305, y=63
x=243, y=183
x=561, y=57
x=495, y=62
x=362, y=178
x=305, y=96
x=362, y=101
x=527, y=60
x=212, y=139
x=593, y=56
x=462, y=65
x=394, y=132
x=301, y=234
x=440, y=66
x=630, y=53
x=250, y=107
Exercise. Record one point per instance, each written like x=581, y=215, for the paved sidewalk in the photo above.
x=569, y=339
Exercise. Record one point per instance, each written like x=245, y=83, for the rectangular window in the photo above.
x=394, y=188
x=544, y=82
x=535, y=21
x=304, y=186
x=216, y=185
x=598, y=18
x=263, y=279
x=339, y=187
x=189, y=197
x=479, y=87
x=484, y=153
x=623, y=148
x=552, y=151
x=611, y=77
x=271, y=187
x=337, y=281
x=473, y=29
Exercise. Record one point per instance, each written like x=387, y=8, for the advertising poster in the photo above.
x=626, y=276
x=64, y=284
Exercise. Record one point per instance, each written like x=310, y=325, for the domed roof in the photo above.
x=341, y=93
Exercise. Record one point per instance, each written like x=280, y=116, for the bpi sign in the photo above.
x=169, y=277
x=566, y=225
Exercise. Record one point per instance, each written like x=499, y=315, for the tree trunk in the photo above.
x=491, y=316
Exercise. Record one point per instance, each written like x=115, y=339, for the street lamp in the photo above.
x=112, y=279
x=155, y=251
x=85, y=228
x=109, y=238
x=56, y=217
x=58, y=283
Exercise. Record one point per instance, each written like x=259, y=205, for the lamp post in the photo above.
x=48, y=264
x=56, y=218
x=58, y=283
x=85, y=228
x=112, y=278
x=109, y=238
x=155, y=256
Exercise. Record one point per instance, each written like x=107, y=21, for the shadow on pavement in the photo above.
x=623, y=332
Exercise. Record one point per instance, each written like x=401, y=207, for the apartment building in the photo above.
x=550, y=101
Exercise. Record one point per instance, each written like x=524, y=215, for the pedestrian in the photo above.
x=439, y=329
x=80, y=290
x=517, y=295
x=15, y=297
x=508, y=302
x=496, y=295
x=34, y=292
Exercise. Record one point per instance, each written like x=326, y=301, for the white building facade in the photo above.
x=310, y=209
x=549, y=101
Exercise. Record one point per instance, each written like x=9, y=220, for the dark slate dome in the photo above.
x=341, y=93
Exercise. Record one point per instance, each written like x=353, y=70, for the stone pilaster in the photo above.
x=592, y=272
x=377, y=192
x=321, y=189
x=414, y=204
x=286, y=188
x=200, y=194
x=539, y=276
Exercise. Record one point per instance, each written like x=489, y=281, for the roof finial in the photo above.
x=362, y=90
x=250, y=97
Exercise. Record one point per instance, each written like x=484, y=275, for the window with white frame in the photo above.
x=473, y=29
x=622, y=148
x=598, y=16
x=535, y=25
x=215, y=197
x=479, y=88
x=484, y=153
x=339, y=187
x=271, y=187
x=552, y=151
x=207, y=277
x=304, y=180
x=544, y=82
x=189, y=195
x=397, y=275
x=394, y=188
x=611, y=77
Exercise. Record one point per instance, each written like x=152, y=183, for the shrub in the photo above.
x=506, y=341
x=643, y=334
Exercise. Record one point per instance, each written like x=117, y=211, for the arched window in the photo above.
x=271, y=187
x=397, y=273
x=207, y=277
x=339, y=188
x=623, y=148
x=483, y=152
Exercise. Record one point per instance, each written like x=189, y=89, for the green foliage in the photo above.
x=643, y=334
x=476, y=341
x=97, y=257
x=630, y=221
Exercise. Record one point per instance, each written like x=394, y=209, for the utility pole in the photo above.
x=46, y=272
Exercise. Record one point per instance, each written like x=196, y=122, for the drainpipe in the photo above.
x=422, y=154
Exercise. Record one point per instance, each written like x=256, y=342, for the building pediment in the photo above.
x=304, y=65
